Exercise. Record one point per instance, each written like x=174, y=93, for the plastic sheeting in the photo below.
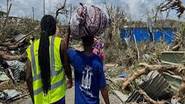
x=3, y=77
x=143, y=34
x=16, y=65
x=9, y=94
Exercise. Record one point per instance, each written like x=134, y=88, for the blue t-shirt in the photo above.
x=89, y=77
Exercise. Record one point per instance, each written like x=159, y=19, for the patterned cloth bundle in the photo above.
x=88, y=20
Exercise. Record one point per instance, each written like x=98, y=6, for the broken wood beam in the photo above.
x=148, y=99
x=177, y=69
x=181, y=92
x=7, y=56
x=134, y=76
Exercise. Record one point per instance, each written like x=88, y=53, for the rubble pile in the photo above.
x=12, y=85
x=162, y=83
x=149, y=73
x=15, y=37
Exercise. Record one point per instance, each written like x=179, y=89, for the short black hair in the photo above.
x=88, y=41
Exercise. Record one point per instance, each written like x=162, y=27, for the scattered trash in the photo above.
x=17, y=69
x=6, y=85
x=174, y=80
x=174, y=101
x=20, y=37
x=3, y=95
x=9, y=95
x=120, y=95
x=3, y=77
x=123, y=75
x=12, y=94
x=114, y=99
x=135, y=96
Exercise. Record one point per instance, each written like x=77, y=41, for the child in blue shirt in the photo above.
x=89, y=74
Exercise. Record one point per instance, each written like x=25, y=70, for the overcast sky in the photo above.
x=136, y=9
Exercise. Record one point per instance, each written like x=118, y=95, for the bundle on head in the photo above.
x=88, y=20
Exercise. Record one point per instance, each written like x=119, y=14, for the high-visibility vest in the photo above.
x=58, y=82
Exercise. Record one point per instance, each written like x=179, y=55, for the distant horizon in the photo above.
x=135, y=9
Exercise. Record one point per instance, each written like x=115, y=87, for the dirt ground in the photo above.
x=69, y=98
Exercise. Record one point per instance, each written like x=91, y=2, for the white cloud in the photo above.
x=135, y=8
x=23, y=8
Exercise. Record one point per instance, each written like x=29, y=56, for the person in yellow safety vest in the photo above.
x=47, y=66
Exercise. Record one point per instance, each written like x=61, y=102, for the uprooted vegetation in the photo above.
x=131, y=63
x=127, y=61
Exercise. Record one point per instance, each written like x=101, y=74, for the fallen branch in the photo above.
x=180, y=94
x=147, y=68
x=173, y=4
x=178, y=42
x=177, y=69
x=7, y=56
x=134, y=76
x=11, y=46
x=10, y=75
x=6, y=43
x=60, y=9
x=176, y=47
x=148, y=99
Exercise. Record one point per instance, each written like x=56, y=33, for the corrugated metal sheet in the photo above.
x=156, y=86
x=135, y=96
x=176, y=57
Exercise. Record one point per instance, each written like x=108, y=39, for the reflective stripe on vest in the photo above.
x=53, y=86
x=52, y=68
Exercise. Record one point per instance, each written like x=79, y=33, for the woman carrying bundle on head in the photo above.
x=86, y=23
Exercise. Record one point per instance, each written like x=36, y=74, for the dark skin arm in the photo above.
x=104, y=92
x=29, y=80
x=66, y=65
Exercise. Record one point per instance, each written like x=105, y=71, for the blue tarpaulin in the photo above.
x=143, y=34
